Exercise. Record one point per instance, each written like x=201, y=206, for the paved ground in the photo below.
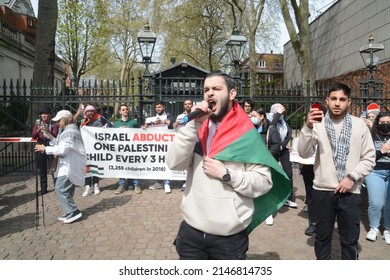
x=138, y=227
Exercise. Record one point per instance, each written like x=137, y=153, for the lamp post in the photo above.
x=146, y=40
x=235, y=48
x=370, y=60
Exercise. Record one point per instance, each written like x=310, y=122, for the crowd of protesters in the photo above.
x=359, y=149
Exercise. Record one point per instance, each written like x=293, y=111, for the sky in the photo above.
x=34, y=3
x=322, y=5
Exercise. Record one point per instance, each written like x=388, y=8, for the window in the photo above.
x=277, y=66
x=30, y=22
x=261, y=63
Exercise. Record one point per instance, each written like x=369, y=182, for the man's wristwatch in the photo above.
x=350, y=177
x=226, y=178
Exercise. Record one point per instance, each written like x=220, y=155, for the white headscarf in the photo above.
x=282, y=125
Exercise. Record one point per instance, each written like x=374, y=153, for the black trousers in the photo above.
x=193, y=244
x=347, y=208
x=91, y=180
x=284, y=158
x=307, y=173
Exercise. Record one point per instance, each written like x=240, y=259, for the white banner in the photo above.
x=133, y=153
x=294, y=156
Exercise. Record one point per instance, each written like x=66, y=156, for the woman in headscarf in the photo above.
x=276, y=118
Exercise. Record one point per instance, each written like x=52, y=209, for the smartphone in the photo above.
x=318, y=106
x=82, y=106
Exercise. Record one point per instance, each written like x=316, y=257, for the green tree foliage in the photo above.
x=125, y=20
x=197, y=31
x=258, y=21
x=82, y=34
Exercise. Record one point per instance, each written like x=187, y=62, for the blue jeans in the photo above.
x=165, y=182
x=377, y=183
x=65, y=191
x=122, y=182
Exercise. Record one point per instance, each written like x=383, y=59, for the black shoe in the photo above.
x=72, y=217
x=40, y=193
x=310, y=230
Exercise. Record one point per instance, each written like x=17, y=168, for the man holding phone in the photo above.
x=346, y=141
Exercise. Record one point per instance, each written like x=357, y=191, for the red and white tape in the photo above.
x=17, y=139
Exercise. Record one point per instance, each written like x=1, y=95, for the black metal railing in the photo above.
x=140, y=93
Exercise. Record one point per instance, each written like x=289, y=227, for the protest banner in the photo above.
x=129, y=153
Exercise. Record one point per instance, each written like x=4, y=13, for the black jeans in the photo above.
x=91, y=180
x=193, y=244
x=284, y=158
x=307, y=173
x=347, y=208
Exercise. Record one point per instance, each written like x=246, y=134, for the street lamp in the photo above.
x=370, y=88
x=235, y=48
x=146, y=41
x=367, y=53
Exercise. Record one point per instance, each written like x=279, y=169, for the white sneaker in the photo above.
x=386, y=236
x=96, y=189
x=291, y=204
x=63, y=217
x=156, y=186
x=88, y=191
x=73, y=217
x=269, y=221
x=167, y=188
x=183, y=187
x=373, y=234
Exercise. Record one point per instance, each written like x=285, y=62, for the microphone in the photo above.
x=195, y=114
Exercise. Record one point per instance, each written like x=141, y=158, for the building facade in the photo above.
x=269, y=68
x=18, y=26
x=338, y=34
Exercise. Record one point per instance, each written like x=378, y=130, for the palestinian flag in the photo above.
x=236, y=139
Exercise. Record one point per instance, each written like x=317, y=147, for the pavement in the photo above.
x=132, y=226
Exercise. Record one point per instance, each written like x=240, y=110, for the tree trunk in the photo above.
x=44, y=59
x=300, y=43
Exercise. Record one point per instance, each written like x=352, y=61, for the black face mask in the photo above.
x=384, y=127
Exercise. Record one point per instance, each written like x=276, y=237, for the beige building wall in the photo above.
x=337, y=36
x=16, y=55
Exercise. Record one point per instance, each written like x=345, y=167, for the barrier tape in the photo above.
x=17, y=139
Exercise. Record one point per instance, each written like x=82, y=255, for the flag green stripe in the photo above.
x=250, y=148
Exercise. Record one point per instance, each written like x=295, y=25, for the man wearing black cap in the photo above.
x=43, y=125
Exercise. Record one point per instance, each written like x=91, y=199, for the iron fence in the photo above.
x=140, y=93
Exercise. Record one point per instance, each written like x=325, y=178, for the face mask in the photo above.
x=255, y=120
x=384, y=128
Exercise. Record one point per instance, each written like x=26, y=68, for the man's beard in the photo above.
x=224, y=109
